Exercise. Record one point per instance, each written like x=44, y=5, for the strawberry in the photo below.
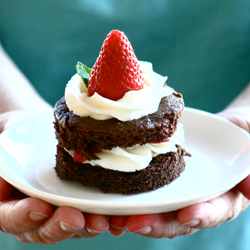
x=77, y=157
x=159, y=141
x=116, y=70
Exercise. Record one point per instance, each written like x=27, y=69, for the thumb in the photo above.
x=244, y=187
x=6, y=189
x=214, y=212
x=9, y=118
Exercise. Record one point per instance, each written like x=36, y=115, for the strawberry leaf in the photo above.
x=84, y=72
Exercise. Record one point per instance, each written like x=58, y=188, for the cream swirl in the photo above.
x=134, y=104
x=137, y=157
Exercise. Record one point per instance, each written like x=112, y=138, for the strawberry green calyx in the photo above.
x=84, y=72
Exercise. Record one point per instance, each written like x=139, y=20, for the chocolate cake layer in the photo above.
x=86, y=135
x=161, y=171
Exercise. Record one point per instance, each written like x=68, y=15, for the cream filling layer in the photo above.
x=134, y=104
x=137, y=157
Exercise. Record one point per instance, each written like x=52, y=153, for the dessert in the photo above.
x=117, y=125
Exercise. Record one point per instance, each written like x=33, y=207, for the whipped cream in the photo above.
x=137, y=157
x=134, y=104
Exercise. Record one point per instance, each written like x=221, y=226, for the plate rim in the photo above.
x=105, y=204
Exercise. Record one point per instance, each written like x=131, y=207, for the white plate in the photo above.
x=220, y=159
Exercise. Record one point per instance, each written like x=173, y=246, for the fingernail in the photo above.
x=191, y=223
x=37, y=216
x=144, y=230
x=122, y=231
x=122, y=228
x=118, y=233
x=68, y=228
x=91, y=231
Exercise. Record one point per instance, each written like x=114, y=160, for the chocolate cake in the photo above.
x=86, y=135
x=161, y=171
x=117, y=125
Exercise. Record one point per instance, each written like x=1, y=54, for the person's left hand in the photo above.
x=33, y=220
x=199, y=216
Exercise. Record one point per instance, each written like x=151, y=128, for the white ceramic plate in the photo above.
x=220, y=159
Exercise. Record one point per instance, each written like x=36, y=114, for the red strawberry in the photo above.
x=77, y=157
x=116, y=70
x=159, y=141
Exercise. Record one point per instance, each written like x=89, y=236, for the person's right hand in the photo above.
x=33, y=220
x=203, y=215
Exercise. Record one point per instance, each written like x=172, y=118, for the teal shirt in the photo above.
x=202, y=46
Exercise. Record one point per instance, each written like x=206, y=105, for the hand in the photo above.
x=10, y=117
x=239, y=116
x=199, y=216
x=33, y=220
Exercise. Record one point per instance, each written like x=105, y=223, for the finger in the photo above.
x=116, y=231
x=118, y=222
x=63, y=224
x=84, y=234
x=214, y=212
x=9, y=118
x=239, y=116
x=96, y=224
x=6, y=189
x=17, y=216
x=117, y=225
x=3, y=122
x=157, y=225
x=244, y=187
